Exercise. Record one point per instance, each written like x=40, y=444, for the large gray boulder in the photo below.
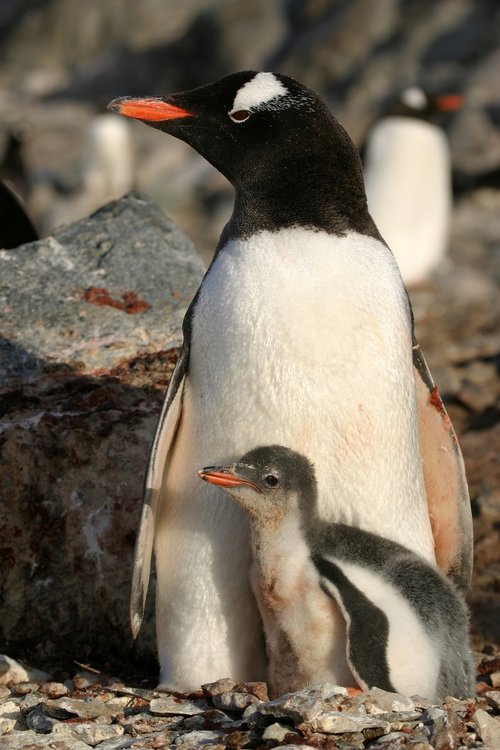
x=90, y=331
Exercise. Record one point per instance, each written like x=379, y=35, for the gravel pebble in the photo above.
x=194, y=739
x=259, y=689
x=303, y=705
x=30, y=701
x=488, y=728
x=379, y=701
x=276, y=732
x=234, y=701
x=493, y=699
x=11, y=672
x=9, y=716
x=91, y=733
x=495, y=679
x=54, y=689
x=24, y=688
x=85, y=709
x=83, y=680
x=219, y=686
x=325, y=716
x=171, y=705
x=38, y=721
x=31, y=741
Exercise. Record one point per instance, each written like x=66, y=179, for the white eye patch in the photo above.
x=414, y=97
x=261, y=89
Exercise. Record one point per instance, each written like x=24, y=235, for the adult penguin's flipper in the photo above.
x=163, y=441
x=445, y=480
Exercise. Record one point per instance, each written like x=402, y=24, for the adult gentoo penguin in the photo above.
x=408, y=180
x=300, y=334
x=406, y=624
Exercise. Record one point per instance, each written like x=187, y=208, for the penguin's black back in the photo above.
x=434, y=599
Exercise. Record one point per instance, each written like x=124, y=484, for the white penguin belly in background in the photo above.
x=407, y=178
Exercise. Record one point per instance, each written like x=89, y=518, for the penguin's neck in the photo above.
x=281, y=554
x=303, y=191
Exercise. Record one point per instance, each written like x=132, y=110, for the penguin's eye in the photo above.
x=271, y=481
x=240, y=115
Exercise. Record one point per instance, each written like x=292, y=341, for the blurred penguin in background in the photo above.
x=408, y=180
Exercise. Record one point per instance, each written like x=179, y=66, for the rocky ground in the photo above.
x=94, y=710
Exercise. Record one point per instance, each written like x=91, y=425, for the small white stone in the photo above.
x=13, y=672
x=91, y=733
x=495, y=679
x=276, y=732
x=169, y=705
x=198, y=738
x=9, y=715
x=339, y=722
x=488, y=728
x=34, y=741
x=389, y=701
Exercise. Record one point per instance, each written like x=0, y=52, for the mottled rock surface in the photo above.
x=81, y=388
x=110, y=715
x=95, y=293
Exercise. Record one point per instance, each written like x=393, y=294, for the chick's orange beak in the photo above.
x=223, y=478
x=149, y=110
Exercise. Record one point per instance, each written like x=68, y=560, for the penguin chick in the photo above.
x=407, y=625
x=408, y=180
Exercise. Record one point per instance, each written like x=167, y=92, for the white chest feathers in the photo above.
x=304, y=630
x=304, y=339
x=407, y=176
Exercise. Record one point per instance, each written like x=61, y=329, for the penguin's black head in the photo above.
x=259, y=129
x=415, y=102
x=267, y=482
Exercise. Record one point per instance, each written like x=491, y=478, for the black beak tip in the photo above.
x=114, y=104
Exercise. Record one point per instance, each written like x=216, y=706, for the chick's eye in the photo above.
x=240, y=115
x=271, y=481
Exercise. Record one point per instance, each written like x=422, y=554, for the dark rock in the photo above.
x=39, y=722
x=79, y=414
